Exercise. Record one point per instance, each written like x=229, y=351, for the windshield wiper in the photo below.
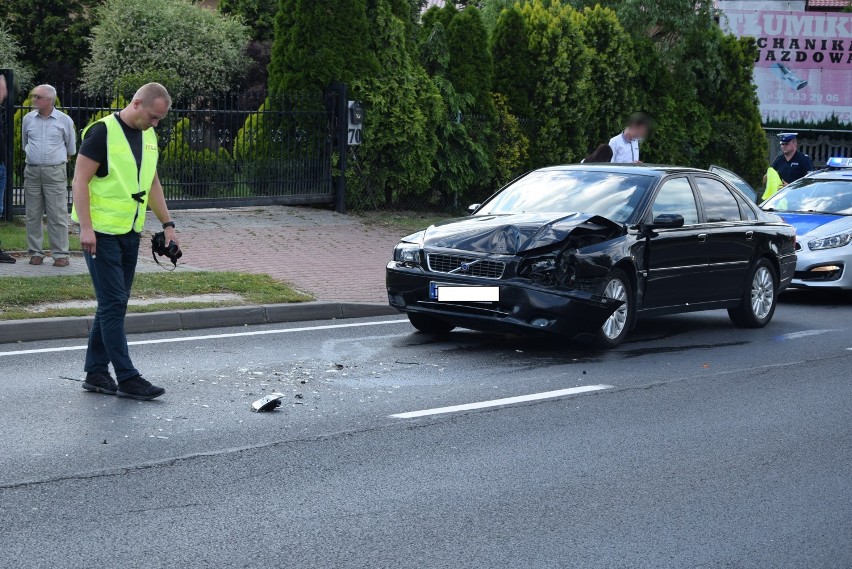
x=818, y=212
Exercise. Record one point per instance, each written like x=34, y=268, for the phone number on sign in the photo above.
x=780, y=96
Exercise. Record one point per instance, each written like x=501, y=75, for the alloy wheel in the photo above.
x=762, y=293
x=614, y=325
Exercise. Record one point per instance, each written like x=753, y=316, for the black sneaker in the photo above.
x=138, y=388
x=100, y=382
x=6, y=257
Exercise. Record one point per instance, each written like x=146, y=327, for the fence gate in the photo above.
x=220, y=150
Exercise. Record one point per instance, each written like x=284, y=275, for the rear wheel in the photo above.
x=759, y=300
x=429, y=324
x=619, y=324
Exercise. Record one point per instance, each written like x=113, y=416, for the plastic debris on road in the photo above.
x=268, y=403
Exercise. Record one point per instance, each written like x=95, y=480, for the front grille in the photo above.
x=439, y=263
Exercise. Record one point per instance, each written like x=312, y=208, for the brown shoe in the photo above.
x=62, y=262
x=35, y=260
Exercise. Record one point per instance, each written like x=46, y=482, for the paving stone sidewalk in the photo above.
x=332, y=256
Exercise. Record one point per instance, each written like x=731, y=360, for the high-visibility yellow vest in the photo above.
x=773, y=183
x=113, y=208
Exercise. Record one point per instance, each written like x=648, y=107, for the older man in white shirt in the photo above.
x=625, y=146
x=49, y=140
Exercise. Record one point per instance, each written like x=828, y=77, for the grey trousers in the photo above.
x=45, y=191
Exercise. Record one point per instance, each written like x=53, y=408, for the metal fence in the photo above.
x=216, y=150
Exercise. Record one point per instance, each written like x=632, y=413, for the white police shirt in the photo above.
x=624, y=151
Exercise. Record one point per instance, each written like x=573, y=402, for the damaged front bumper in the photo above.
x=523, y=306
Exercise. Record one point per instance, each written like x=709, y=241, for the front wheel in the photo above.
x=619, y=324
x=429, y=324
x=759, y=300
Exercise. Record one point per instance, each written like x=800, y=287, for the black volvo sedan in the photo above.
x=583, y=250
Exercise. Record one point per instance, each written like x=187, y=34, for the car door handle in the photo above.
x=702, y=237
x=749, y=235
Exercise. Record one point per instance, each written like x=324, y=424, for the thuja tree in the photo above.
x=402, y=106
x=459, y=161
x=738, y=140
x=559, y=65
x=612, y=68
x=318, y=42
x=510, y=51
x=471, y=73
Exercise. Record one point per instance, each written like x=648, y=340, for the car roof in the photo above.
x=655, y=170
x=842, y=174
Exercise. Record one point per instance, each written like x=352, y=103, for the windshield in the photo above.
x=608, y=194
x=810, y=195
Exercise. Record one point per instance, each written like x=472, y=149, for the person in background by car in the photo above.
x=791, y=164
x=625, y=146
x=49, y=140
x=602, y=153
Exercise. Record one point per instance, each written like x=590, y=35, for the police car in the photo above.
x=819, y=206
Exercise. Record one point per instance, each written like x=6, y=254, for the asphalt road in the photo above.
x=702, y=445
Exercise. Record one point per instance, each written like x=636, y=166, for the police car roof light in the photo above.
x=839, y=162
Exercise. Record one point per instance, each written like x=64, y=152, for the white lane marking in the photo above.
x=504, y=401
x=803, y=334
x=211, y=337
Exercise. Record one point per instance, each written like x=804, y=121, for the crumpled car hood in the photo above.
x=511, y=234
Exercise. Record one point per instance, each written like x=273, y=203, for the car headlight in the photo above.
x=407, y=253
x=830, y=242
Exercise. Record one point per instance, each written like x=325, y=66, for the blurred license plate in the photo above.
x=454, y=293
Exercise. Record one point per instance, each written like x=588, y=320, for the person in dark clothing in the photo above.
x=602, y=153
x=4, y=257
x=791, y=164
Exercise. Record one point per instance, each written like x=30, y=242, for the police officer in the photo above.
x=115, y=180
x=791, y=164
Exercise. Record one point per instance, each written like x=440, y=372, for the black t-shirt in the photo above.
x=791, y=170
x=94, y=145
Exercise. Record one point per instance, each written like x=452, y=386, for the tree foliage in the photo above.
x=512, y=152
x=471, y=68
x=10, y=53
x=52, y=34
x=559, y=64
x=258, y=15
x=510, y=50
x=738, y=140
x=459, y=160
x=612, y=68
x=202, y=50
x=401, y=108
x=491, y=11
x=318, y=42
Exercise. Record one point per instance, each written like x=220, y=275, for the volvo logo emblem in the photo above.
x=464, y=267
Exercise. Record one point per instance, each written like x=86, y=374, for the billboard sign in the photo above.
x=803, y=71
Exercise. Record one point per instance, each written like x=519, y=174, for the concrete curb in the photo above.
x=35, y=329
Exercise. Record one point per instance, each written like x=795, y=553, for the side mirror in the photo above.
x=473, y=207
x=667, y=221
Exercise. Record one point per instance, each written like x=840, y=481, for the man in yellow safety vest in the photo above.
x=114, y=182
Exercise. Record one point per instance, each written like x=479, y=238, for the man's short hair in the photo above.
x=150, y=92
x=51, y=91
x=639, y=119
